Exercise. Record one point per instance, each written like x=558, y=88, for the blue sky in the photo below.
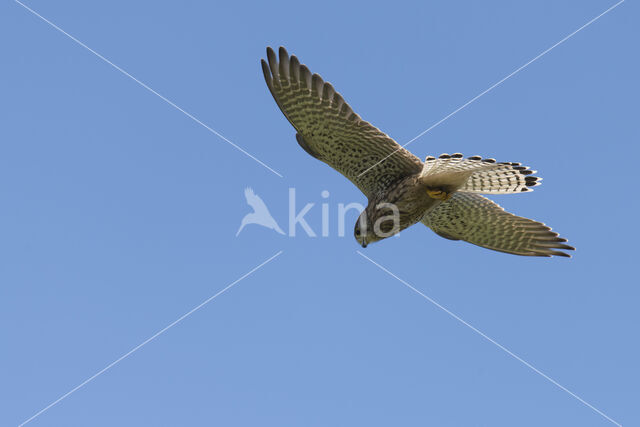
x=119, y=215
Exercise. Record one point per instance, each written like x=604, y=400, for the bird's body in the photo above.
x=442, y=193
x=410, y=198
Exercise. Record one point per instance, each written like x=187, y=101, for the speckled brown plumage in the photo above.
x=441, y=192
x=478, y=220
x=331, y=131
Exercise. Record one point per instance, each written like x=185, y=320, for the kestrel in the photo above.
x=443, y=193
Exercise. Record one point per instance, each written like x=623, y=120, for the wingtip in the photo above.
x=562, y=254
x=270, y=51
x=266, y=71
x=563, y=247
x=283, y=58
x=273, y=62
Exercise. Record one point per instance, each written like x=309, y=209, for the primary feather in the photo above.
x=329, y=130
x=478, y=220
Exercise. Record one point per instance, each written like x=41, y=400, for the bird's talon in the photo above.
x=439, y=195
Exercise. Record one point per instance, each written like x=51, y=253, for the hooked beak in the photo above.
x=363, y=243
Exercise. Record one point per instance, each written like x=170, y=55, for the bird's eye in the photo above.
x=357, y=232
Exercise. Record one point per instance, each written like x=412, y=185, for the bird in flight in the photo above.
x=443, y=193
x=260, y=214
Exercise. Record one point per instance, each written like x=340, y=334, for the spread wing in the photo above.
x=330, y=131
x=478, y=220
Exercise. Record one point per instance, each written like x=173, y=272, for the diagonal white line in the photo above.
x=148, y=340
x=491, y=340
x=522, y=67
x=237, y=147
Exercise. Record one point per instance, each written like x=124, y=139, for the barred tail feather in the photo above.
x=479, y=175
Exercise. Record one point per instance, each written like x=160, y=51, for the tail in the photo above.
x=477, y=175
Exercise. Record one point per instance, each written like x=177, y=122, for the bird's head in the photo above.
x=377, y=222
